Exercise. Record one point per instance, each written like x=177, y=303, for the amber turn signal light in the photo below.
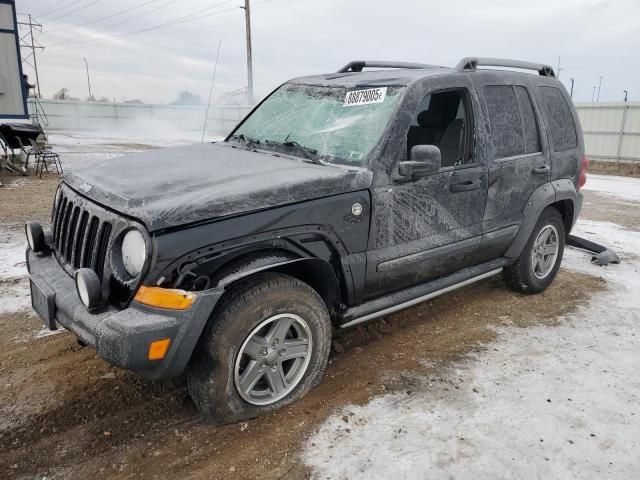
x=158, y=349
x=168, y=298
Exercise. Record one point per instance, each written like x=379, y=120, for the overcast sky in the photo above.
x=300, y=37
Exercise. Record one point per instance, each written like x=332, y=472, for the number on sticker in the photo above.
x=365, y=97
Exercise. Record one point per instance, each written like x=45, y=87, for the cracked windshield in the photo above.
x=330, y=124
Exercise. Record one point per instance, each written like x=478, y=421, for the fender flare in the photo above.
x=316, y=272
x=543, y=196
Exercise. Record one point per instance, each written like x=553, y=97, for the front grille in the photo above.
x=81, y=234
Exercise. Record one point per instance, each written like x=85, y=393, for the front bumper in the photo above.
x=122, y=337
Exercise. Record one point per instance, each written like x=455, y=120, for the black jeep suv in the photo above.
x=340, y=198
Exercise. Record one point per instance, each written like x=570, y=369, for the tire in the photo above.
x=249, y=321
x=529, y=273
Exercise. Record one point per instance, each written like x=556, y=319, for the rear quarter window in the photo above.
x=562, y=129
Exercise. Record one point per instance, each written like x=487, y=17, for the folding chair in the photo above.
x=43, y=156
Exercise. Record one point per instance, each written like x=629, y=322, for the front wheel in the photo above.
x=539, y=262
x=266, y=346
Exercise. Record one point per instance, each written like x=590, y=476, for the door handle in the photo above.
x=541, y=170
x=465, y=186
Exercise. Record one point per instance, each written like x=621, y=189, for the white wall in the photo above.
x=611, y=130
x=80, y=115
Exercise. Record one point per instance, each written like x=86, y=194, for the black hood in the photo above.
x=176, y=186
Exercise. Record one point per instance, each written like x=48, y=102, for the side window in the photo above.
x=512, y=119
x=505, y=120
x=562, y=130
x=529, y=124
x=442, y=119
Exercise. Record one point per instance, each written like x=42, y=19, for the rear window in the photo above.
x=512, y=119
x=557, y=113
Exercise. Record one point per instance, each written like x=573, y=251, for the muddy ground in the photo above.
x=64, y=413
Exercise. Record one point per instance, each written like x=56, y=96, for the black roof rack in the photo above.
x=472, y=63
x=358, y=65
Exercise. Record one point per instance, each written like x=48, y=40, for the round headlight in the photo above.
x=134, y=252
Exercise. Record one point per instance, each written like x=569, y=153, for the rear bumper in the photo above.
x=122, y=337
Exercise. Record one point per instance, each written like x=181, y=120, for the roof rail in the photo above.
x=472, y=63
x=358, y=65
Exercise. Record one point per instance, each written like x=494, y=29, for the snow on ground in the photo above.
x=542, y=402
x=623, y=188
x=14, y=287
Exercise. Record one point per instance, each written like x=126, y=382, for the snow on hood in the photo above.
x=176, y=186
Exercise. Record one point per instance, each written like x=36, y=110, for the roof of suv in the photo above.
x=402, y=73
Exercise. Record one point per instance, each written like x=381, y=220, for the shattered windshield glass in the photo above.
x=322, y=124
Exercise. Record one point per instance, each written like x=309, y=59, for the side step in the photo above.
x=603, y=255
x=414, y=295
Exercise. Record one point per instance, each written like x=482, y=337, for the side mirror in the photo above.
x=424, y=160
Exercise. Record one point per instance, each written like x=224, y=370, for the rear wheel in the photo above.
x=266, y=346
x=539, y=262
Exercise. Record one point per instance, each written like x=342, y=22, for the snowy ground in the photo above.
x=622, y=188
x=542, y=402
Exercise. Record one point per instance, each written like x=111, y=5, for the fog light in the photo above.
x=88, y=287
x=35, y=236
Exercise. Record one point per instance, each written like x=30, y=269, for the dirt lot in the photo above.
x=65, y=413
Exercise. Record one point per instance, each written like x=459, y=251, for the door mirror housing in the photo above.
x=424, y=160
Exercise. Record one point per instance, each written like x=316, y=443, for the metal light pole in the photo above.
x=626, y=94
x=247, y=19
x=599, y=85
x=88, y=79
x=572, y=80
x=593, y=94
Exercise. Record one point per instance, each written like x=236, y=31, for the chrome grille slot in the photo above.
x=79, y=240
x=101, y=250
x=71, y=233
x=90, y=241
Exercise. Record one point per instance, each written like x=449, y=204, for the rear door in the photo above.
x=518, y=156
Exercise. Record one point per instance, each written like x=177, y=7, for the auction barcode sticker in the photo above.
x=365, y=97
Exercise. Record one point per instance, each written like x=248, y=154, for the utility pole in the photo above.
x=599, y=85
x=572, y=80
x=247, y=19
x=28, y=43
x=88, y=79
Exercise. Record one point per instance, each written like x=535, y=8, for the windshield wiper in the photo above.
x=248, y=141
x=308, y=153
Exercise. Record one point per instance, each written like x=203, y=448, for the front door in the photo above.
x=430, y=226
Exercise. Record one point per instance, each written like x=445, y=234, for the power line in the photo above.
x=73, y=11
x=117, y=24
x=122, y=12
x=182, y=19
x=57, y=9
